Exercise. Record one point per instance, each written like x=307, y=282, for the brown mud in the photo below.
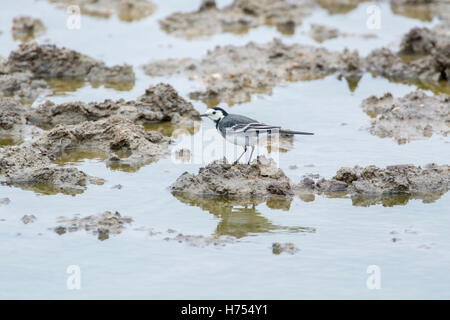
x=414, y=116
x=126, y=10
x=234, y=73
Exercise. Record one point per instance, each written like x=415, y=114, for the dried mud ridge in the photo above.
x=238, y=17
x=264, y=179
x=242, y=15
x=22, y=74
x=126, y=10
x=233, y=73
x=414, y=116
x=110, y=129
x=102, y=225
x=159, y=103
x=26, y=28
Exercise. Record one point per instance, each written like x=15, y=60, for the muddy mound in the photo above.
x=260, y=179
x=238, y=17
x=31, y=168
x=430, y=65
x=419, y=41
x=233, y=73
x=371, y=181
x=159, y=103
x=49, y=61
x=25, y=28
x=411, y=117
x=430, y=70
x=101, y=225
x=124, y=141
x=22, y=86
x=127, y=10
x=12, y=115
x=422, y=9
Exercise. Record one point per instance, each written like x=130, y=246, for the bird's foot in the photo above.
x=234, y=163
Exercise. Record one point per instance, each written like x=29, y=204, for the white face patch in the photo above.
x=214, y=115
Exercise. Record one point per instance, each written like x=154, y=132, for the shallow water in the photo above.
x=338, y=238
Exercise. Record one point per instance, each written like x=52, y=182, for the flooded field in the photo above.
x=91, y=184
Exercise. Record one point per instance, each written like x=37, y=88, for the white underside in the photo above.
x=250, y=138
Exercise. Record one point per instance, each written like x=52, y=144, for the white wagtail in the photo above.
x=243, y=131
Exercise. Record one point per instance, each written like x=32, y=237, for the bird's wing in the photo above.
x=252, y=126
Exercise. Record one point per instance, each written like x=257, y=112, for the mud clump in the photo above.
x=288, y=247
x=364, y=183
x=12, y=116
x=421, y=41
x=320, y=33
x=31, y=168
x=22, y=86
x=233, y=73
x=49, y=61
x=13, y=125
x=127, y=10
x=430, y=65
x=102, y=225
x=411, y=117
x=260, y=179
x=422, y=9
x=26, y=219
x=238, y=17
x=159, y=103
x=124, y=141
x=26, y=28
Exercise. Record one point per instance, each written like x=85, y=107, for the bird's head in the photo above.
x=215, y=114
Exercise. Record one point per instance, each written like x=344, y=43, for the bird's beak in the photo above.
x=203, y=115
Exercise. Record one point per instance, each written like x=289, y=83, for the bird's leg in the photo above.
x=251, y=153
x=245, y=150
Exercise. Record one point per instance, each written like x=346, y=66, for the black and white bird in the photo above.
x=242, y=130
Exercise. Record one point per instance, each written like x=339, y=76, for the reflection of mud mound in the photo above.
x=394, y=199
x=238, y=17
x=414, y=116
x=234, y=73
x=239, y=217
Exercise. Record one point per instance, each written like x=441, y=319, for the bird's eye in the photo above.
x=214, y=112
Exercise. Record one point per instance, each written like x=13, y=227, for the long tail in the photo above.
x=295, y=132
